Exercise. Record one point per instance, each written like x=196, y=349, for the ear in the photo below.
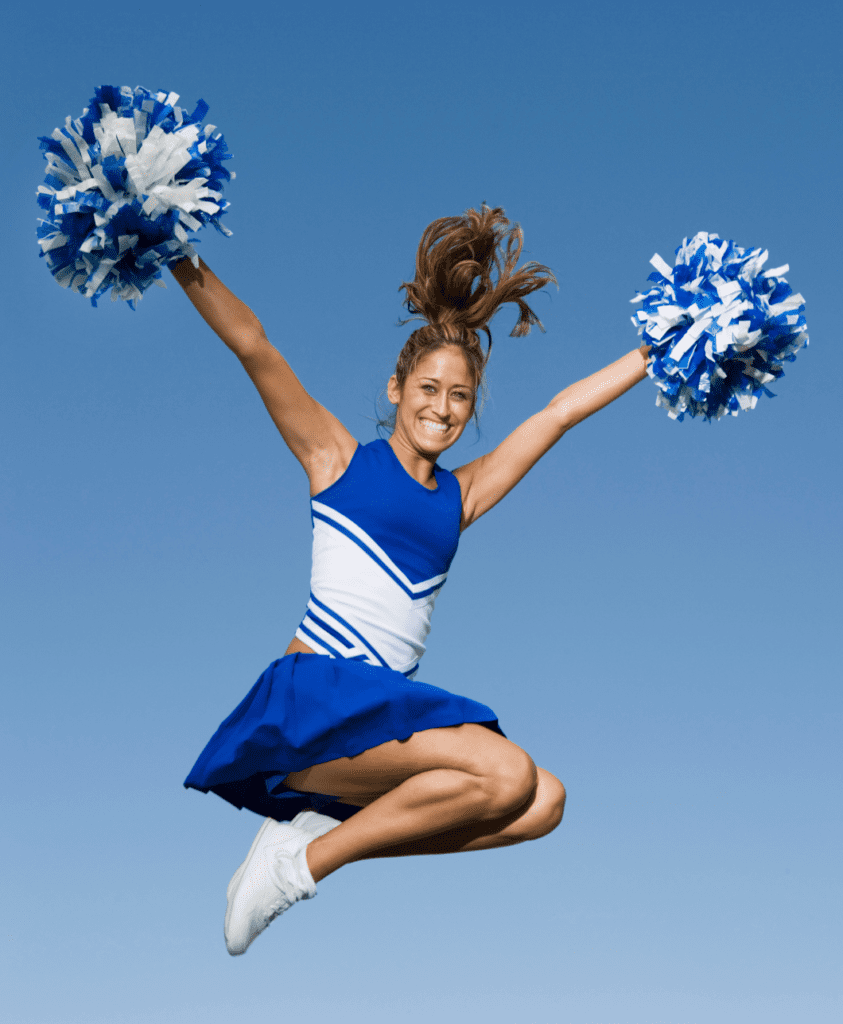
x=393, y=390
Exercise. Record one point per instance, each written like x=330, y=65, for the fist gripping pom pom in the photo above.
x=125, y=183
x=718, y=327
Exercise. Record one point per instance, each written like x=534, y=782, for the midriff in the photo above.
x=297, y=647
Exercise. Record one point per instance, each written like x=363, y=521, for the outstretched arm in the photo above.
x=488, y=479
x=315, y=436
x=220, y=308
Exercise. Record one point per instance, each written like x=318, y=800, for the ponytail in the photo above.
x=454, y=293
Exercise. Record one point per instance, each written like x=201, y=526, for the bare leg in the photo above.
x=538, y=817
x=436, y=781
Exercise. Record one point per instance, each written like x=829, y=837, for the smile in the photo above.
x=438, y=428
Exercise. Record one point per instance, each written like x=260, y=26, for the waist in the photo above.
x=298, y=647
x=369, y=625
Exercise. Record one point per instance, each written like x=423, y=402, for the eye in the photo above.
x=461, y=395
x=426, y=387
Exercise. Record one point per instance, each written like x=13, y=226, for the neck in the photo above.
x=418, y=464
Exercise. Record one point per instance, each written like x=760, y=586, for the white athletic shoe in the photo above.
x=238, y=874
x=307, y=821
x=273, y=877
x=315, y=824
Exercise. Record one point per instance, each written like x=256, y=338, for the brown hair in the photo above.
x=453, y=253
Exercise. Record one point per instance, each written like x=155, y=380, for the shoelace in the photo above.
x=284, y=902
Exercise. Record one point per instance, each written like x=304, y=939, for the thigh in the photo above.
x=361, y=779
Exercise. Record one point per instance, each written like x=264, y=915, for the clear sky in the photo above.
x=651, y=613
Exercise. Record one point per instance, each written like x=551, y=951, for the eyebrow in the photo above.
x=436, y=380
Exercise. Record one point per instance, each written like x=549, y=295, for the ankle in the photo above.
x=316, y=863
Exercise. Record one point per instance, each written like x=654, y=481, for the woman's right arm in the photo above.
x=315, y=436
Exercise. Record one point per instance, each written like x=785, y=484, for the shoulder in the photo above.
x=454, y=485
x=465, y=478
x=448, y=479
x=330, y=462
x=351, y=466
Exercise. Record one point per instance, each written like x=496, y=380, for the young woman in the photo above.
x=339, y=725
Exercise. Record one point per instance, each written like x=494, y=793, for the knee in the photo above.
x=551, y=800
x=512, y=783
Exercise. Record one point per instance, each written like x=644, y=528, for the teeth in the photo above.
x=440, y=428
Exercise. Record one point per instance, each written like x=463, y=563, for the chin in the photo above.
x=436, y=446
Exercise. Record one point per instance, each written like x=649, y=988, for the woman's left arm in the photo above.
x=488, y=479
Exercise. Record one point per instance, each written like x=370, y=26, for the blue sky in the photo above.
x=651, y=613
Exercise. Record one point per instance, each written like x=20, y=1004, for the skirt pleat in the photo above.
x=307, y=709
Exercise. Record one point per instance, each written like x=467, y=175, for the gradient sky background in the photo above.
x=651, y=613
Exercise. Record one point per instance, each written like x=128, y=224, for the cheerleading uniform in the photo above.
x=382, y=547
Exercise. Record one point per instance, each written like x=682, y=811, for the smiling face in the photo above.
x=436, y=402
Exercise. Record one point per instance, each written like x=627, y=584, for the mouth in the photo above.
x=434, y=428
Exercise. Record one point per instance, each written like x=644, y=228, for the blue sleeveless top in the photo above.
x=382, y=547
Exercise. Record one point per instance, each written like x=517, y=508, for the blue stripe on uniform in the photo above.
x=349, y=627
x=341, y=529
x=319, y=641
x=328, y=629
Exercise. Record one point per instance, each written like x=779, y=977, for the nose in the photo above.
x=441, y=406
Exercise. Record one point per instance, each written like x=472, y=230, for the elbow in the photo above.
x=247, y=341
x=563, y=414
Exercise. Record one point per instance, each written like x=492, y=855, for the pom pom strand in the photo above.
x=719, y=328
x=125, y=184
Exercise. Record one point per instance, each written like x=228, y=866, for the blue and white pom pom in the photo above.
x=719, y=328
x=125, y=183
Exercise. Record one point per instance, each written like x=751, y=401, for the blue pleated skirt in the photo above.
x=307, y=709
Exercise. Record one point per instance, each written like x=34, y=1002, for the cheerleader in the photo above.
x=345, y=754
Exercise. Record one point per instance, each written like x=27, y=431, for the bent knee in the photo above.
x=511, y=784
x=553, y=798
x=546, y=810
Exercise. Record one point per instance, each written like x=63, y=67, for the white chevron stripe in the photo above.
x=314, y=645
x=360, y=591
x=355, y=648
x=376, y=549
x=320, y=613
